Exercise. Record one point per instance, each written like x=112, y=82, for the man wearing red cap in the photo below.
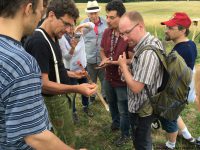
x=177, y=30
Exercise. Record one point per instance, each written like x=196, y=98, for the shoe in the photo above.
x=190, y=140
x=162, y=147
x=88, y=112
x=75, y=118
x=113, y=128
x=122, y=140
x=197, y=141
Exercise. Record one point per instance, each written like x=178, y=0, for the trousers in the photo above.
x=60, y=115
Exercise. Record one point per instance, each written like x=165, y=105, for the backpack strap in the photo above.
x=160, y=54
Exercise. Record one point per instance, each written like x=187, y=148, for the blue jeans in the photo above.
x=118, y=105
x=84, y=98
x=141, y=131
x=96, y=73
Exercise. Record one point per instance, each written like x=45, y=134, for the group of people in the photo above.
x=38, y=78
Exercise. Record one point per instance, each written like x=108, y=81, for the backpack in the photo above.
x=171, y=96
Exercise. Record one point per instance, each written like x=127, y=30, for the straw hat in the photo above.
x=92, y=6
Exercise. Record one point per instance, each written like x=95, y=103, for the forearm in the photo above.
x=102, y=54
x=135, y=86
x=50, y=87
x=46, y=140
x=71, y=52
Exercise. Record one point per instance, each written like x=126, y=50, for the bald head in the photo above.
x=134, y=16
x=131, y=27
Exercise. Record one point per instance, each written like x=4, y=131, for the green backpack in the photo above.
x=171, y=97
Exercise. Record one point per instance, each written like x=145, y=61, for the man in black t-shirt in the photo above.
x=60, y=16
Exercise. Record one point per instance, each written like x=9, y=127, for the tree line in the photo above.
x=106, y=1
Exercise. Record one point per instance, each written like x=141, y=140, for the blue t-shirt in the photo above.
x=22, y=108
x=188, y=51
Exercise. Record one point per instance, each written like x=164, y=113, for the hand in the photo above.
x=76, y=74
x=80, y=74
x=122, y=60
x=87, y=89
x=74, y=43
x=104, y=62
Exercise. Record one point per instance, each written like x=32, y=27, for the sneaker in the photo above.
x=190, y=140
x=88, y=112
x=75, y=118
x=162, y=147
x=197, y=141
x=122, y=140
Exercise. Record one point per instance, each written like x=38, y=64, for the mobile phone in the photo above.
x=77, y=35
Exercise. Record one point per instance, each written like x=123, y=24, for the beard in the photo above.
x=167, y=37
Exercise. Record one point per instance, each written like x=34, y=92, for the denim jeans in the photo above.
x=118, y=105
x=94, y=73
x=141, y=131
x=61, y=118
x=84, y=98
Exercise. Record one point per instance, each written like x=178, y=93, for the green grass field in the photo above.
x=94, y=133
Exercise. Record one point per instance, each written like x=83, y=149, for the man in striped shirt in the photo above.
x=24, y=123
x=146, y=71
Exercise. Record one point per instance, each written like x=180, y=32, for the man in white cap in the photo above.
x=92, y=43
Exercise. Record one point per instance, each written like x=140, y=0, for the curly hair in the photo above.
x=62, y=7
x=116, y=5
x=8, y=8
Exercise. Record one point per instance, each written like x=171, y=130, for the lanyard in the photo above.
x=114, y=40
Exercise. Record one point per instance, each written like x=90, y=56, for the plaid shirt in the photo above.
x=145, y=69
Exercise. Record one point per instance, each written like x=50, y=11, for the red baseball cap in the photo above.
x=179, y=18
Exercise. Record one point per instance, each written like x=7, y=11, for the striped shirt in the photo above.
x=145, y=69
x=22, y=108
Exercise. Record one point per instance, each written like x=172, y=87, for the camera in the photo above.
x=77, y=35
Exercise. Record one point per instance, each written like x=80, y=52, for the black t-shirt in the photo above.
x=39, y=48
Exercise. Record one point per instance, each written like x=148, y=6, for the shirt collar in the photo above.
x=143, y=39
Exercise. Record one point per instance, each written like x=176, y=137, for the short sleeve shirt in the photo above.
x=112, y=74
x=146, y=69
x=22, y=108
x=38, y=47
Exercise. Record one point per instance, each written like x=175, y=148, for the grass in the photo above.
x=94, y=133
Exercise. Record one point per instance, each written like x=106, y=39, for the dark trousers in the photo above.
x=141, y=131
x=85, y=102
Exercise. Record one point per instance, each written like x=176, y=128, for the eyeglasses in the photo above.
x=66, y=24
x=129, y=31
